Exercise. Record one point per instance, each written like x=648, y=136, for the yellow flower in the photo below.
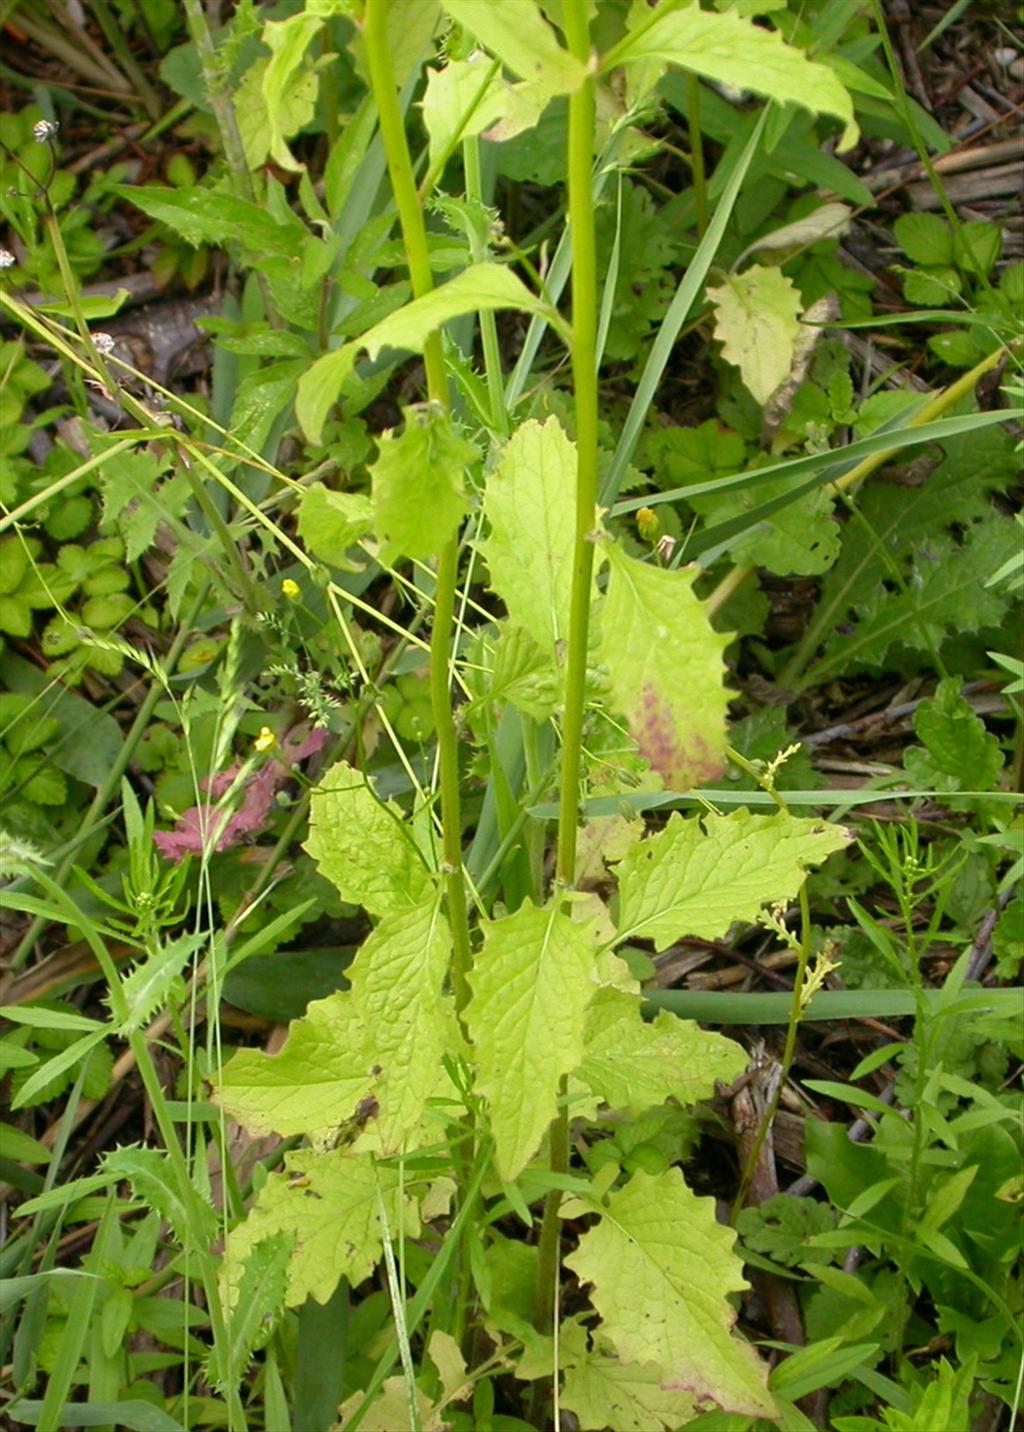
x=290, y=589
x=648, y=524
x=266, y=740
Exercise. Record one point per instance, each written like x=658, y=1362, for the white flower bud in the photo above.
x=44, y=131
x=7, y=259
x=104, y=343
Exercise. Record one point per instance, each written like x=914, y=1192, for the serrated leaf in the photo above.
x=524, y=42
x=666, y=669
x=330, y=523
x=396, y=987
x=662, y=1269
x=634, y=1065
x=328, y=1202
x=961, y=753
x=290, y=99
x=977, y=245
x=481, y=287
x=42, y=785
x=523, y=673
x=531, y=982
x=313, y=1085
x=152, y=1178
x=259, y=1300
x=204, y=216
x=389, y=1411
x=295, y=109
x=362, y=845
x=757, y=323
x=150, y=981
x=446, y=1355
x=736, y=52
x=801, y=538
x=924, y=238
x=604, y=1391
x=946, y=591
x=418, y=490
x=459, y=101
x=530, y=506
x=701, y=874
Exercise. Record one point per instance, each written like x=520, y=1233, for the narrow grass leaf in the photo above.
x=133, y=1414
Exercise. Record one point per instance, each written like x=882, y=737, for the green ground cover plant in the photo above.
x=398, y=714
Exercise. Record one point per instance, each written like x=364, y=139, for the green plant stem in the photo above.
x=414, y=237
x=488, y=322
x=74, y=298
x=218, y=93
x=796, y=1006
x=575, y=16
x=584, y=372
x=700, y=183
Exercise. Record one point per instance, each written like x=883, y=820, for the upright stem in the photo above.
x=488, y=323
x=219, y=95
x=584, y=370
x=414, y=236
x=700, y=186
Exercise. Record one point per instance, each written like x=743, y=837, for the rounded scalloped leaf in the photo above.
x=15, y=615
x=44, y=786
x=106, y=581
x=70, y=519
x=29, y=734
x=60, y=636
x=15, y=555
x=103, y=612
x=46, y=585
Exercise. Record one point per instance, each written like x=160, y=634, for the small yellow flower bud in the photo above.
x=648, y=524
x=266, y=740
x=290, y=589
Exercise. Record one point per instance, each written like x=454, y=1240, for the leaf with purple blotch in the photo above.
x=666, y=669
